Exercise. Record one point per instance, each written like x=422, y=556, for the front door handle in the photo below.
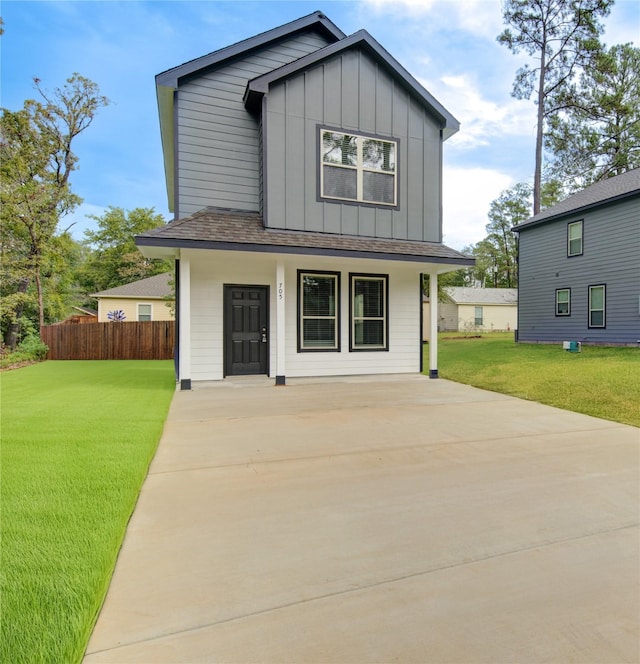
x=264, y=335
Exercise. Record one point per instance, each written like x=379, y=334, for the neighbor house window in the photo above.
x=478, y=319
x=358, y=168
x=318, y=307
x=369, y=312
x=574, y=238
x=144, y=312
x=597, y=297
x=563, y=302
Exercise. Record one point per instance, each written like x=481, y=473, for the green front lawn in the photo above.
x=77, y=439
x=599, y=381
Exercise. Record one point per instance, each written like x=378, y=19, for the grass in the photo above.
x=599, y=381
x=77, y=440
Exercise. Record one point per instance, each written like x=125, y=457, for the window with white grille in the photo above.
x=358, y=168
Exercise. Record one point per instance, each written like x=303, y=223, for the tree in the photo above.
x=115, y=259
x=563, y=37
x=598, y=135
x=37, y=160
x=496, y=255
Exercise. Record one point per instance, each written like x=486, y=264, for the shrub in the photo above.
x=30, y=349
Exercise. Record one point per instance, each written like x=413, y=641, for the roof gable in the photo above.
x=603, y=192
x=259, y=86
x=156, y=287
x=482, y=296
x=317, y=20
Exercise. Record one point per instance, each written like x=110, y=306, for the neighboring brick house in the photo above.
x=304, y=169
x=142, y=300
x=579, y=267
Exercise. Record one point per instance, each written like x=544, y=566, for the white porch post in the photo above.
x=433, y=325
x=184, y=368
x=280, y=324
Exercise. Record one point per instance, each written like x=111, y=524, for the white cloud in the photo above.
x=479, y=17
x=467, y=195
x=481, y=119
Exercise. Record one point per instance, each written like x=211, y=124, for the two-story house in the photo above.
x=304, y=169
x=579, y=267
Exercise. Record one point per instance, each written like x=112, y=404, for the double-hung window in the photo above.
x=597, y=298
x=358, y=168
x=318, y=311
x=144, y=312
x=563, y=302
x=369, y=312
x=574, y=238
x=478, y=319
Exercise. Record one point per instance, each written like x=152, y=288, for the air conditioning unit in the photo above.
x=572, y=346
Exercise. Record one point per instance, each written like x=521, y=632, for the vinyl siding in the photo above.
x=611, y=246
x=207, y=323
x=160, y=309
x=218, y=139
x=350, y=92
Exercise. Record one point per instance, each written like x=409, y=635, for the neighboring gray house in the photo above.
x=304, y=169
x=579, y=267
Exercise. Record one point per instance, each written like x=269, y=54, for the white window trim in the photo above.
x=575, y=224
x=360, y=169
x=301, y=317
x=604, y=306
x=476, y=317
x=144, y=304
x=385, y=323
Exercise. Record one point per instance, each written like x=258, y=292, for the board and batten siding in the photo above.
x=611, y=247
x=207, y=316
x=350, y=92
x=218, y=140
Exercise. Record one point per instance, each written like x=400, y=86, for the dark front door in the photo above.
x=246, y=341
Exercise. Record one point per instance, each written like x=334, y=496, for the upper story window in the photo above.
x=574, y=238
x=358, y=168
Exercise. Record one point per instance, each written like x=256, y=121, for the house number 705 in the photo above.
x=281, y=291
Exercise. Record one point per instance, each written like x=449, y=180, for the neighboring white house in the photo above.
x=142, y=300
x=482, y=309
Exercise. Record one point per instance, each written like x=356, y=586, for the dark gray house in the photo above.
x=579, y=267
x=304, y=169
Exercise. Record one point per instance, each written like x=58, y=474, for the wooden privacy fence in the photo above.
x=150, y=340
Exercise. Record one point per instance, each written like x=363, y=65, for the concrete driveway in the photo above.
x=389, y=519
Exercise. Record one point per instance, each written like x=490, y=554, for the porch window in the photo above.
x=597, y=297
x=563, y=302
x=358, y=168
x=369, y=312
x=144, y=312
x=318, y=307
x=478, y=319
x=574, y=238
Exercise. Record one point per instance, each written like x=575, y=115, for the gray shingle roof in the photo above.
x=482, y=296
x=605, y=191
x=231, y=230
x=155, y=287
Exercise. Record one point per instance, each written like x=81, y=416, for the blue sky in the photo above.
x=448, y=45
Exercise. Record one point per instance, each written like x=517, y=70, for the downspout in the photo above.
x=433, y=324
